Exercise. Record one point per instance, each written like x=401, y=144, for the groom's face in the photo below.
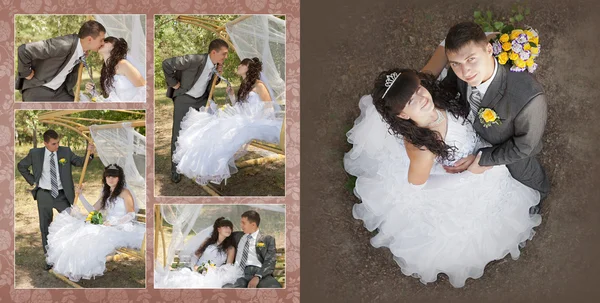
x=94, y=44
x=247, y=226
x=473, y=63
x=218, y=57
x=52, y=145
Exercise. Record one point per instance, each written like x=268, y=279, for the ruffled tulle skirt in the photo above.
x=78, y=249
x=215, y=277
x=210, y=142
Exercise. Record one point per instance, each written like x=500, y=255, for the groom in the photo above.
x=189, y=80
x=51, y=179
x=516, y=97
x=255, y=255
x=47, y=69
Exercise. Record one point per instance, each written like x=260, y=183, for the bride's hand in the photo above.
x=476, y=168
x=229, y=90
x=89, y=87
x=460, y=165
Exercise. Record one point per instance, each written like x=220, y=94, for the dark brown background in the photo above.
x=344, y=46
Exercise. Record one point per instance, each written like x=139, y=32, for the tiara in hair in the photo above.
x=389, y=81
x=112, y=166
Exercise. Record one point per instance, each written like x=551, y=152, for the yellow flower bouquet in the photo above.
x=518, y=48
x=206, y=266
x=95, y=217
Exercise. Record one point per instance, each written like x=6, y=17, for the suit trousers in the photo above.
x=43, y=93
x=46, y=203
x=266, y=282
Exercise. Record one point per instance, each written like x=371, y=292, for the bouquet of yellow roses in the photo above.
x=517, y=47
x=94, y=217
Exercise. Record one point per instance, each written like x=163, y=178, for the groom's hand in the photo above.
x=177, y=85
x=91, y=148
x=220, y=68
x=253, y=283
x=476, y=168
x=30, y=75
x=460, y=165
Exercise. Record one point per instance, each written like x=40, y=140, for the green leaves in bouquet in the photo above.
x=489, y=23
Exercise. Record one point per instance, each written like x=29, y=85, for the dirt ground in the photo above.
x=344, y=46
x=261, y=180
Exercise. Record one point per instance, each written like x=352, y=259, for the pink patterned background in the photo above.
x=8, y=8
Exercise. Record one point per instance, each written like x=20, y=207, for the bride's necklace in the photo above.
x=439, y=119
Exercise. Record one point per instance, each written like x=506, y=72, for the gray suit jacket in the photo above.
x=47, y=58
x=520, y=103
x=35, y=160
x=186, y=70
x=267, y=254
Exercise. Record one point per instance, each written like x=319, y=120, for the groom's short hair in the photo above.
x=252, y=216
x=50, y=134
x=91, y=28
x=462, y=34
x=217, y=44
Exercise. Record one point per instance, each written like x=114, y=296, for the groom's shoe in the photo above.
x=175, y=177
x=47, y=266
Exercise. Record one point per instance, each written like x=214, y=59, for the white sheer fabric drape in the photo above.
x=125, y=147
x=262, y=36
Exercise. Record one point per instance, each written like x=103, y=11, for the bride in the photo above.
x=433, y=222
x=212, y=263
x=77, y=249
x=120, y=80
x=208, y=142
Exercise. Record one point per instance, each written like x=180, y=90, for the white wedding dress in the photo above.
x=214, y=277
x=78, y=249
x=456, y=223
x=210, y=142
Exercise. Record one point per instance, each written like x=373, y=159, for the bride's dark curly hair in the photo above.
x=253, y=74
x=390, y=106
x=214, y=237
x=112, y=170
x=109, y=67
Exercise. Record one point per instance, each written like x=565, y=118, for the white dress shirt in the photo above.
x=60, y=78
x=45, y=181
x=200, y=86
x=252, y=257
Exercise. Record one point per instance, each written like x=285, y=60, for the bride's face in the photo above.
x=242, y=70
x=419, y=107
x=224, y=231
x=112, y=181
x=106, y=48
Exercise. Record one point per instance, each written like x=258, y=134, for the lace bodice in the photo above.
x=461, y=135
x=213, y=254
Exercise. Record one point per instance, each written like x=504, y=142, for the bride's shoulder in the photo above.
x=124, y=66
x=126, y=194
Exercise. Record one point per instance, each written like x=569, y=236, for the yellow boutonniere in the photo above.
x=488, y=116
x=62, y=161
x=260, y=244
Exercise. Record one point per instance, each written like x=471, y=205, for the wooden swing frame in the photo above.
x=61, y=118
x=218, y=28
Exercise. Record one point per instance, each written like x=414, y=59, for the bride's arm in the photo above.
x=133, y=75
x=421, y=162
x=438, y=60
x=231, y=255
x=87, y=204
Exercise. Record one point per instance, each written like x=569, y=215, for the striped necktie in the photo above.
x=245, y=252
x=53, y=177
x=475, y=100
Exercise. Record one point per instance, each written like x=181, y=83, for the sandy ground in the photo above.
x=344, y=46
